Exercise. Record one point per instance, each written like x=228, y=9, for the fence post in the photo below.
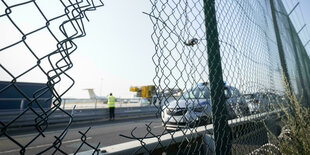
x=297, y=58
x=280, y=46
x=306, y=63
x=64, y=104
x=222, y=132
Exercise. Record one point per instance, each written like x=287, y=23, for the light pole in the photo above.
x=101, y=82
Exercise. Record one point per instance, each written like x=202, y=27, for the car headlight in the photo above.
x=169, y=111
x=176, y=111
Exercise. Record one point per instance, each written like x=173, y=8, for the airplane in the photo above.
x=93, y=96
x=104, y=99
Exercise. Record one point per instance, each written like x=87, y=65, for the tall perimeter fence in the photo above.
x=238, y=63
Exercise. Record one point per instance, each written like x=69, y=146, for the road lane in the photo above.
x=107, y=133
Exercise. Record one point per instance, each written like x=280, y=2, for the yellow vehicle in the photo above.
x=144, y=91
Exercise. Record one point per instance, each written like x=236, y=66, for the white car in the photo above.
x=236, y=104
x=262, y=101
x=193, y=108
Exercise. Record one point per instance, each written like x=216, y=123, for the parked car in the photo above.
x=262, y=101
x=253, y=102
x=193, y=108
x=236, y=104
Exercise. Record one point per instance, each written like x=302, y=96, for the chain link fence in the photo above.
x=40, y=37
x=237, y=63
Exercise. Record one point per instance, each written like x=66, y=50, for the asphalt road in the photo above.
x=105, y=132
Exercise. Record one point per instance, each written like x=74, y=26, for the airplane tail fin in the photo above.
x=91, y=93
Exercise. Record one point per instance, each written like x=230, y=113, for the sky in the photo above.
x=121, y=49
x=115, y=54
x=300, y=17
x=117, y=51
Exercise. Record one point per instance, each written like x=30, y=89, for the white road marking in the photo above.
x=45, y=145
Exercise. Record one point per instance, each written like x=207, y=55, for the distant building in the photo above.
x=15, y=96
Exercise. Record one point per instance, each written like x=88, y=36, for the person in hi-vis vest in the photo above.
x=111, y=105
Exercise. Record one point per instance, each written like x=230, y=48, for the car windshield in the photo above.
x=197, y=93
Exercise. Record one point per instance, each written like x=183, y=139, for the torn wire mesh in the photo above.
x=39, y=36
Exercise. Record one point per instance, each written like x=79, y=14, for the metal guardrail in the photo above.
x=90, y=103
x=205, y=132
x=79, y=115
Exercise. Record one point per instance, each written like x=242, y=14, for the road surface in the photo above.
x=106, y=132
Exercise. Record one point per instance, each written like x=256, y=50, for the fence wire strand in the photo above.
x=62, y=25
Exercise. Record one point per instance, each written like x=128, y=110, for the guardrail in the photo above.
x=81, y=103
x=79, y=115
x=98, y=104
x=203, y=132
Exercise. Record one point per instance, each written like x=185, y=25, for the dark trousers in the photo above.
x=112, y=114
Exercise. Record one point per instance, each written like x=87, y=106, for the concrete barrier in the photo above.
x=204, y=132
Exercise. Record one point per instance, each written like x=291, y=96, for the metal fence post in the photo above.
x=95, y=103
x=222, y=132
x=297, y=58
x=64, y=104
x=280, y=46
x=306, y=63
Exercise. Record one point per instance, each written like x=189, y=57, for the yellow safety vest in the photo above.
x=111, y=101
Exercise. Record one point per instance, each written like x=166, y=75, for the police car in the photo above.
x=193, y=108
